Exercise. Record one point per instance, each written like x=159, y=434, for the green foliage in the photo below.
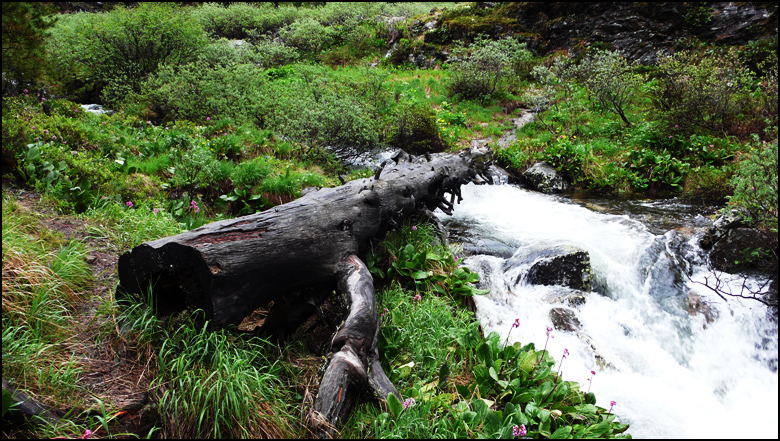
x=755, y=186
x=478, y=71
x=35, y=167
x=196, y=91
x=415, y=129
x=611, y=80
x=24, y=32
x=123, y=47
x=714, y=92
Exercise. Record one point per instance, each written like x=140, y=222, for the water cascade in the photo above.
x=673, y=372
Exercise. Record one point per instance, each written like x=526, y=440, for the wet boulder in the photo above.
x=563, y=265
x=732, y=252
x=567, y=296
x=564, y=320
x=720, y=228
x=544, y=178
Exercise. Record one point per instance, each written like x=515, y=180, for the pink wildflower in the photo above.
x=129, y=204
x=519, y=431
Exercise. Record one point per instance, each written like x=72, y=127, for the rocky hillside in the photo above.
x=637, y=29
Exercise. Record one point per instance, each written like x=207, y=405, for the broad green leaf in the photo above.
x=561, y=433
x=395, y=405
x=420, y=275
x=444, y=373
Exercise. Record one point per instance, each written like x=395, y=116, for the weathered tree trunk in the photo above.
x=294, y=255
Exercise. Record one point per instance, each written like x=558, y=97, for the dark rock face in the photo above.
x=564, y=320
x=720, y=228
x=563, y=265
x=640, y=30
x=727, y=252
x=544, y=178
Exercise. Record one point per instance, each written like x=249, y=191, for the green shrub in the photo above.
x=267, y=53
x=712, y=93
x=307, y=35
x=611, y=80
x=243, y=21
x=415, y=129
x=196, y=91
x=477, y=71
x=121, y=48
x=755, y=185
x=250, y=173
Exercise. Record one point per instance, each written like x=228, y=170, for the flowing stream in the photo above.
x=672, y=373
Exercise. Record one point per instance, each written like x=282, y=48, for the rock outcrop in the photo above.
x=544, y=178
x=562, y=265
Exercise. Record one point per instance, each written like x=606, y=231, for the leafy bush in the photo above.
x=755, y=185
x=307, y=35
x=121, y=48
x=477, y=71
x=710, y=92
x=268, y=53
x=196, y=91
x=415, y=129
x=610, y=80
x=243, y=20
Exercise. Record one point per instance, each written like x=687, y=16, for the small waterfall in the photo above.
x=677, y=359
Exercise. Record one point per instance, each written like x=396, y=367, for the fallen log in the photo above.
x=295, y=255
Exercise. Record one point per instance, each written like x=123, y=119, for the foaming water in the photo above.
x=672, y=374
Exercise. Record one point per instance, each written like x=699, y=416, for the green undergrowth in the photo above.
x=454, y=382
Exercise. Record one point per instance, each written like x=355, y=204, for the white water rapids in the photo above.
x=672, y=374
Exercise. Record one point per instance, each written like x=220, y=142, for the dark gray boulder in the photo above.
x=563, y=265
x=730, y=253
x=719, y=229
x=544, y=178
x=564, y=320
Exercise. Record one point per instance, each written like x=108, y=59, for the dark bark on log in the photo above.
x=230, y=268
x=26, y=409
x=354, y=364
x=294, y=255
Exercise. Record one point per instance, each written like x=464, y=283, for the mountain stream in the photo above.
x=672, y=372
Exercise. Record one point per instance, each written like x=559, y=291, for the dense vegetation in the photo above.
x=205, y=127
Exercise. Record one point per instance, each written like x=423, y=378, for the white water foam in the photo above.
x=673, y=375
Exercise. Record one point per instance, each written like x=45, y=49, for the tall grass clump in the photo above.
x=41, y=282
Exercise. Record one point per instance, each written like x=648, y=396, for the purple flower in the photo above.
x=593, y=372
x=45, y=132
x=414, y=228
x=87, y=434
x=129, y=204
x=74, y=152
x=54, y=137
x=519, y=431
x=33, y=127
x=43, y=99
x=25, y=90
x=712, y=145
x=670, y=136
x=104, y=123
x=208, y=118
x=417, y=298
x=387, y=310
x=155, y=211
x=676, y=126
x=516, y=324
x=548, y=332
x=612, y=403
x=565, y=352
x=409, y=402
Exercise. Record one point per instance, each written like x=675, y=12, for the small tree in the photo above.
x=24, y=32
x=479, y=69
x=611, y=81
